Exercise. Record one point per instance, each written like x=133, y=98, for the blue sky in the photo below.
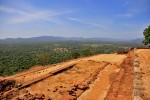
x=118, y=19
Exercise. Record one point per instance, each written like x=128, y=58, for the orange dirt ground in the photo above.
x=100, y=87
x=144, y=59
x=113, y=82
x=122, y=87
x=58, y=84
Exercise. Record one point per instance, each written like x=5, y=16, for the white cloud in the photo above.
x=87, y=22
x=20, y=16
x=42, y=15
x=11, y=10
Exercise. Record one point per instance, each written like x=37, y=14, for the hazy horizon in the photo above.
x=119, y=19
x=125, y=39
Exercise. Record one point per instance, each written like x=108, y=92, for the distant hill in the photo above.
x=137, y=41
x=33, y=39
x=52, y=38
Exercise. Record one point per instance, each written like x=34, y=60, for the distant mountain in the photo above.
x=33, y=39
x=52, y=38
x=137, y=41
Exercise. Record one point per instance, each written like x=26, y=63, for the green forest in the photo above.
x=16, y=57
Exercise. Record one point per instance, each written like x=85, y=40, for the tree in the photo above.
x=146, y=33
x=42, y=59
x=76, y=55
x=87, y=52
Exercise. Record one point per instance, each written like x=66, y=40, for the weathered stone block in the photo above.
x=136, y=65
x=138, y=82
x=138, y=92
x=137, y=70
x=137, y=98
x=136, y=60
x=138, y=76
x=140, y=87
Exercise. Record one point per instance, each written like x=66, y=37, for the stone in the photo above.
x=19, y=85
x=137, y=70
x=137, y=98
x=138, y=82
x=136, y=60
x=78, y=92
x=138, y=92
x=83, y=86
x=136, y=54
x=31, y=97
x=136, y=65
x=140, y=87
x=138, y=76
x=55, y=89
x=38, y=96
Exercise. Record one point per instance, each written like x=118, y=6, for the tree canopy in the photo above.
x=146, y=33
x=16, y=57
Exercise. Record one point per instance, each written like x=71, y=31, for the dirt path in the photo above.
x=98, y=89
x=144, y=59
x=121, y=88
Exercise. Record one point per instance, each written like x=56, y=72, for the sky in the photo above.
x=117, y=19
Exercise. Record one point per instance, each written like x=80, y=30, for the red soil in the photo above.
x=121, y=88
